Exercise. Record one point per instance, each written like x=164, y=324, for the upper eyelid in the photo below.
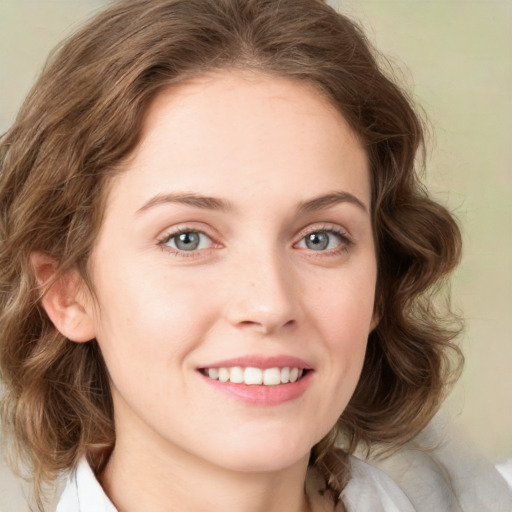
x=186, y=228
x=176, y=232
x=170, y=235
x=327, y=226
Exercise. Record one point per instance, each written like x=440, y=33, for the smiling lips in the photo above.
x=260, y=380
x=252, y=376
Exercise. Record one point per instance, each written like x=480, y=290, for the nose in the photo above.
x=264, y=296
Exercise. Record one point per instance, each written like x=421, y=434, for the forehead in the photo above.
x=240, y=131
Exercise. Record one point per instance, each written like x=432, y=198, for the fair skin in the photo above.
x=237, y=235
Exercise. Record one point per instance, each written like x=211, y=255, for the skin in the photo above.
x=263, y=146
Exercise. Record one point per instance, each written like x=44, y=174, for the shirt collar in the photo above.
x=83, y=492
x=369, y=490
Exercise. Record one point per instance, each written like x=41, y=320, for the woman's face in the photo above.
x=236, y=252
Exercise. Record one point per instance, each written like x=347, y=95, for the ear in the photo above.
x=377, y=315
x=65, y=299
x=375, y=320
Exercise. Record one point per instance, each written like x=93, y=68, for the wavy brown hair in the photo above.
x=83, y=117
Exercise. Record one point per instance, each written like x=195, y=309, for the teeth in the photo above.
x=223, y=374
x=255, y=376
x=272, y=376
x=236, y=375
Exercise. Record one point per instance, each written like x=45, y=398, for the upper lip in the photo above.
x=259, y=361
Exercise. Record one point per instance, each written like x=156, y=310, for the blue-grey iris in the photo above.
x=318, y=241
x=187, y=241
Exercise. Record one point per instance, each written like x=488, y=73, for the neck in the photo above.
x=162, y=479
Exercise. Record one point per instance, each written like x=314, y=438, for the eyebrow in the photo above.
x=327, y=200
x=214, y=203
x=190, y=199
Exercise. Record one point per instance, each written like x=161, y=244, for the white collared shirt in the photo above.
x=369, y=490
x=83, y=492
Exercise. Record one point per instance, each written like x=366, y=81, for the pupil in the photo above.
x=317, y=241
x=187, y=241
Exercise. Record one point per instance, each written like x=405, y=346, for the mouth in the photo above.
x=253, y=376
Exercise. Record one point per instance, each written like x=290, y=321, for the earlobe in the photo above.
x=376, y=317
x=375, y=321
x=64, y=298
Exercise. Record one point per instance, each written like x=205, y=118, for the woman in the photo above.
x=217, y=263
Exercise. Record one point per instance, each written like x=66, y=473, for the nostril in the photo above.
x=266, y=326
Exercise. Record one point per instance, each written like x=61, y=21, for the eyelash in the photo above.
x=162, y=243
x=344, y=245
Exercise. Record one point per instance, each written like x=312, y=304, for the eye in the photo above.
x=323, y=240
x=187, y=241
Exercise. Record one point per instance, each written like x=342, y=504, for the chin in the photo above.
x=271, y=464
x=263, y=456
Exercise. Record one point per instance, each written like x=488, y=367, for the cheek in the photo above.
x=151, y=318
x=344, y=305
x=343, y=313
x=146, y=332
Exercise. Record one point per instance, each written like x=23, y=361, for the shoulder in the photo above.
x=83, y=493
x=368, y=490
x=371, y=490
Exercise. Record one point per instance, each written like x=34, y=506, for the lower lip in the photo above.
x=262, y=395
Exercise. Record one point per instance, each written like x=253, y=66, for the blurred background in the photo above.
x=455, y=57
